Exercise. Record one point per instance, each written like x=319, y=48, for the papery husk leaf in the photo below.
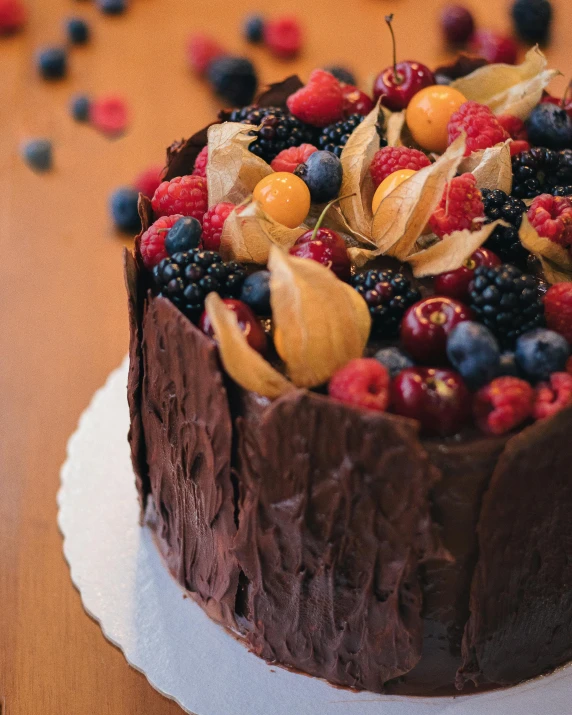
x=544, y=248
x=246, y=366
x=232, y=170
x=394, y=128
x=509, y=89
x=555, y=274
x=492, y=167
x=321, y=326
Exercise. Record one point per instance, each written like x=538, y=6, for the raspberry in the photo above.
x=290, y=159
x=356, y=101
x=213, y=224
x=184, y=195
x=551, y=216
x=390, y=159
x=12, y=16
x=201, y=51
x=147, y=181
x=283, y=36
x=558, y=309
x=569, y=365
x=109, y=115
x=518, y=146
x=320, y=102
x=514, y=126
x=503, y=404
x=554, y=396
x=363, y=382
x=461, y=205
x=152, y=245
x=482, y=128
x=200, y=167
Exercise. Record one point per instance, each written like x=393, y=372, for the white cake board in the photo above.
x=125, y=586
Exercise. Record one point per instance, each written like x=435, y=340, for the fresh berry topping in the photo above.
x=247, y=322
x=77, y=30
x=504, y=241
x=12, y=16
x=552, y=397
x=342, y=74
x=460, y=208
x=200, y=165
x=123, y=206
x=550, y=126
x=112, y=7
x=213, y=224
x=558, y=309
x=187, y=278
x=283, y=36
x=513, y=126
x=551, y=216
x=506, y=301
x=393, y=360
x=256, y=292
x=335, y=137
x=437, y=398
x=363, y=382
x=503, y=405
x=290, y=159
x=474, y=352
x=480, y=125
x=427, y=324
x=52, y=62
x=388, y=296
x=253, y=28
x=185, y=195
x=109, y=115
x=147, y=182
x=279, y=130
x=320, y=102
x=284, y=197
x=233, y=79
x=456, y=284
x=201, y=51
x=542, y=171
x=184, y=236
x=541, y=352
x=322, y=174
x=494, y=48
x=518, y=146
x=532, y=19
x=390, y=159
x=429, y=114
x=79, y=107
x=152, y=244
x=326, y=247
x=38, y=154
x=356, y=101
x=569, y=366
x=457, y=24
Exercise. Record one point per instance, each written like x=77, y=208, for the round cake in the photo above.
x=350, y=389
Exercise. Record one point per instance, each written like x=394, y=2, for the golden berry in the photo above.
x=428, y=115
x=388, y=184
x=284, y=197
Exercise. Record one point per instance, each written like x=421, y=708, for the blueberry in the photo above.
x=234, y=79
x=77, y=30
x=532, y=19
x=394, y=360
x=550, y=126
x=474, y=352
x=79, y=107
x=112, y=7
x=342, y=74
x=37, y=153
x=256, y=292
x=52, y=62
x=541, y=352
x=254, y=28
x=123, y=206
x=322, y=174
x=183, y=236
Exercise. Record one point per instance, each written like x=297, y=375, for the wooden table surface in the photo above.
x=63, y=322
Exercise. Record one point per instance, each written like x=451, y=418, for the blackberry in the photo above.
x=234, y=79
x=388, y=295
x=507, y=301
x=504, y=240
x=335, y=137
x=280, y=130
x=186, y=279
x=542, y=171
x=532, y=19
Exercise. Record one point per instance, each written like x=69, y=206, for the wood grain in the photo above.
x=63, y=311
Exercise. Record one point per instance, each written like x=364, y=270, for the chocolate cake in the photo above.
x=346, y=540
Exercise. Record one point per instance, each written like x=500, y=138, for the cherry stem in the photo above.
x=396, y=76
x=324, y=212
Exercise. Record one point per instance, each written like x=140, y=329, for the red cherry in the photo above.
x=494, y=48
x=455, y=284
x=426, y=325
x=457, y=24
x=356, y=101
x=247, y=321
x=437, y=398
x=326, y=247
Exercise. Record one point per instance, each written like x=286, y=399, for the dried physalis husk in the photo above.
x=556, y=260
x=395, y=124
x=232, y=170
x=450, y=253
x=492, y=167
x=248, y=236
x=320, y=322
x=509, y=89
x=246, y=366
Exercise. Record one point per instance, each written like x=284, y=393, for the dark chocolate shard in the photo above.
x=463, y=66
x=277, y=93
x=181, y=155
